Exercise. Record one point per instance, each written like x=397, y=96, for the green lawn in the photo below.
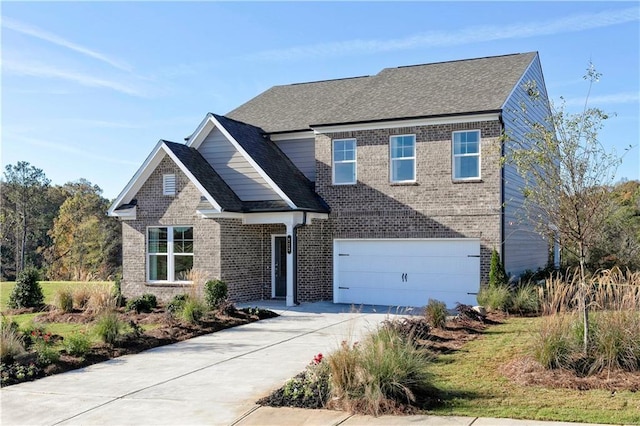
x=48, y=289
x=474, y=386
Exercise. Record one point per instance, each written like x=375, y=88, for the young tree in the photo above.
x=566, y=173
x=23, y=193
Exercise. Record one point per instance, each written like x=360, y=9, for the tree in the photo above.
x=86, y=243
x=566, y=173
x=23, y=192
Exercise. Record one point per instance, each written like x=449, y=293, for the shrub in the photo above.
x=215, y=292
x=100, y=299
x=177, y=303
x=615, y=341
x=63, y=299
x=27, y=292
x=145, y=303
x=116, y=290
x=11, y=343
x=524, y=300
x=46, y=354
x=109, y=327
x=497, y=275
x=436, y=313
x=81, y=295
x=495, y=298
x=380, y=374
x=556, y=342
x=193, y=310
x=77, y=344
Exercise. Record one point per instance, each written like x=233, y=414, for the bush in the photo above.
x=27, y=292
x=117, y=292
x=310, y=389
x=46, y=354
x=63, y=299
x=11, y=343
x=524, y=300
x=193, y=310
x=177, y=303
x=81, y=296
x=77, y=344
x=497, y=275
x=215, y=292
x=495, y=298
x=145, y=303
x=555, y=343
x=380, y=374
x=109, y=327
x=436, y=313
x=615, y=342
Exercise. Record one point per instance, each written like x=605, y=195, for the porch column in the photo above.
x=290, y=263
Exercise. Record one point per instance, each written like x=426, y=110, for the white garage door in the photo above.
x=398, y=272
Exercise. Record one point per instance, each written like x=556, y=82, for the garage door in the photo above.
x=397, y=272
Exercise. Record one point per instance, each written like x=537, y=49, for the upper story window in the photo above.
x=403, y=158
x=169, y=184
x=169, y=253
x=466, y=155
x=344, y=161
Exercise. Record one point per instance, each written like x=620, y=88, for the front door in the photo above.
x=280, y=266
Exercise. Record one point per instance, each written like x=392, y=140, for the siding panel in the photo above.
x=302, y=153
x=524, y=247
x=236, y=171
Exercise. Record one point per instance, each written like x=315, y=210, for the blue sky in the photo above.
x=89, y=88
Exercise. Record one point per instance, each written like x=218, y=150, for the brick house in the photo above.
x=386, y=189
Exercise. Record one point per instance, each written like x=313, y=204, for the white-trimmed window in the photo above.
x=169, y=184
x=403, y=158
x=466, y=155
x=169, y=253
x=344, y=161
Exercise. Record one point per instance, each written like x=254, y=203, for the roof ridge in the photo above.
x=327, y=80
x=458, y=60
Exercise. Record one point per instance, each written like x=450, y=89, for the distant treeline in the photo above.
x=61, y=230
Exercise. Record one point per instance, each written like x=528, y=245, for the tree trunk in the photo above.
x=24, y=243
x=583, y=301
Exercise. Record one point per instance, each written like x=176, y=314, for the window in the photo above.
x=344, y=161
x=169, y=253
x=169, y=184
x=466, y=155
x=403, y=158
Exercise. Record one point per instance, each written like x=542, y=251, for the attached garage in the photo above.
x=406, y=272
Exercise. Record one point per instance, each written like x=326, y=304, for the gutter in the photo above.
x=294, y=238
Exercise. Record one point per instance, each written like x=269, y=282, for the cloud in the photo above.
x=32, y=31
x=611, y=99
x=479, y=34
x=48, y=71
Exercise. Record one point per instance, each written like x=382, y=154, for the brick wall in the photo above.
x=432, y=207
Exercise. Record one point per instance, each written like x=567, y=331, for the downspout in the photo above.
x=294, y=238
x=502, y=201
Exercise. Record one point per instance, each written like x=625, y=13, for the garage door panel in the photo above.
x=406, y=272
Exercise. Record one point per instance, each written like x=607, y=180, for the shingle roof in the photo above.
x=275, y=164
x=445, y=88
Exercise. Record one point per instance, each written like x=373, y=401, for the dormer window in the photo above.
x=169, y=184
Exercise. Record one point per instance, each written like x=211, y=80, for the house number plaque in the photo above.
x=288, y=244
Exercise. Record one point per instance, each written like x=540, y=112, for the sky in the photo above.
x=88, y=88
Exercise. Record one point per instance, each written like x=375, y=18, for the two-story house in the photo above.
x=386, y=189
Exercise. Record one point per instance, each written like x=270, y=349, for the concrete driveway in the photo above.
x=212, y=379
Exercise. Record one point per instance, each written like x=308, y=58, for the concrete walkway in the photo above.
x=209, y=380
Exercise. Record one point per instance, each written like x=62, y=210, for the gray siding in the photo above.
x=241, y=177
x=524, y=247
x=302, y=153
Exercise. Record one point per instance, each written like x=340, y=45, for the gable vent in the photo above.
x=169, y=184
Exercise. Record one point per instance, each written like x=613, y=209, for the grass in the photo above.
x=473, y=385
x=49, y=289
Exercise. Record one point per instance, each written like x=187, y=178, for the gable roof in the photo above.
x=438, y=89
x=208, y=178
x=297, y=187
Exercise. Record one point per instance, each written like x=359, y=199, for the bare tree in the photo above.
x=567, y=174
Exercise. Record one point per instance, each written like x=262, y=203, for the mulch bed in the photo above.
x=169, y=330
